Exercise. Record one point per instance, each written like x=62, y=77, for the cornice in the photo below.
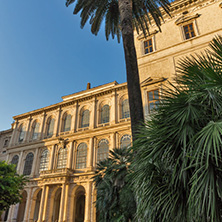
x=114, y=86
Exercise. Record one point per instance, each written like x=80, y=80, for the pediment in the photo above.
x=185, y=18
x=142, y=36
x=150, y=81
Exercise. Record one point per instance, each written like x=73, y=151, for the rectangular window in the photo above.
x=148, y=46
x=189, y=31
x=153, y=99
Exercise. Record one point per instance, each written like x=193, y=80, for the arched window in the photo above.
x=105, y=114
x=15, y=160
x=28, y=164
x=103, y=150
x=85, y=118
x=35, y=131
x=81, y=156
x=125, y=109
x=125, y=141
x=50, y=127
x=21, y=134
x=62, y=158
x=67, y=123
x=44, y=161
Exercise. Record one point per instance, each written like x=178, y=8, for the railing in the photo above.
x=62, y=171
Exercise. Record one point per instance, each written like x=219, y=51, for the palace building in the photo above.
x=58, y=146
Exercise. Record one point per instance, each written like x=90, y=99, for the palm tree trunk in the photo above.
x=134, y=92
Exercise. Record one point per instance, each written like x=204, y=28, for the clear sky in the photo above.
x=44, y=54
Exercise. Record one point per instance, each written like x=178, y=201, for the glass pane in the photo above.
x=62, y=158
x=67, y=123
x=125, y=109
x=145, y=44
x=156, y=94
x=15, y=160
x=125, y=141
x=35, y=134
x=21, y=134
x=81, y=156
x=150, y=96
x=50, y=127
x=105, y=114
x=85, y=119
x=151, y=106
x=103, y=150
x=44, y=161
x=28, y=164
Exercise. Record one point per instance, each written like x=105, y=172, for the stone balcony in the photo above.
x=63, y=172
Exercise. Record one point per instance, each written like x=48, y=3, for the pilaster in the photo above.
x=52, y=157
x=92, y=123
x=90, y=154
x=34, y=164
x=15, y=128
x=26, y=138
x=19, y=168
x=70, y=157
x=57, y=121
x=113, y=108
x=62, y=203
x=45, y=203
x=42, y=125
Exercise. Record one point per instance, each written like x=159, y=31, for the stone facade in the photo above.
x=58, y=146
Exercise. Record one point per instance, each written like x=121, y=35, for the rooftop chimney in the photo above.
x=88, y=85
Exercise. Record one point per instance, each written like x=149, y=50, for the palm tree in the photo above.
x=177, y=170
x=115, y=199
x=121, y=16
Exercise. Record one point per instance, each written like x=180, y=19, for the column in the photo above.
x=52, y=157
x=57, y=121
x=62, y=203
x=70, y=158
x=90, y=154
x=19, y=168
x=113, y=108
x=26, y=138
x=43, y=117
x=65, y=211
x=10, y=213
x=41, y=207
x=34, y=164
x=88, y=202
x=13, y=138
x=92, y=124
x=45, y=203
x=28, y=206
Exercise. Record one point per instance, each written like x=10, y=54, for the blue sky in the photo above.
x=44, y=54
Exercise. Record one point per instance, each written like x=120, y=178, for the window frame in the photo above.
x=77, y=162
x=189, y=30
x=62, y=158
x=46, y=162
x=28, y=171
x=106, y=141
x=154, y=100
x=81, y=126
x=101, y=114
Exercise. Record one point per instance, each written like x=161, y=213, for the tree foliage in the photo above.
x=121, y=18
x=115, y=199
x=11, y=185
x=177, y=170
x=95, y=11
